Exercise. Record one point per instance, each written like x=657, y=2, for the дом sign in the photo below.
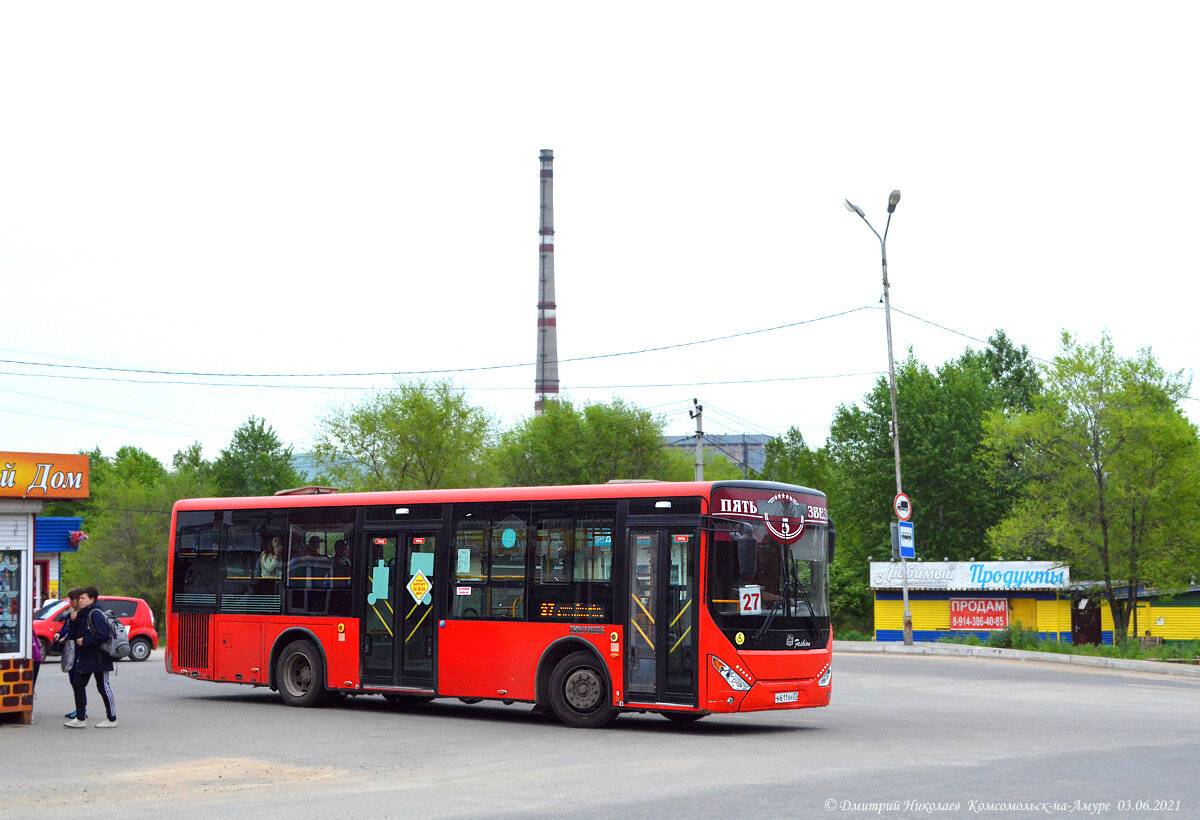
x=43, y=475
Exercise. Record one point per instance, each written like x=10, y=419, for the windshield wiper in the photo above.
x=766, y=624
x=811, y=620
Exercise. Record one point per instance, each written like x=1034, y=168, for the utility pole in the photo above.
x=893, y=200
x=696, y=414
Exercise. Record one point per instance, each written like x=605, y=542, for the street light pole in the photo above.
x=893, y=200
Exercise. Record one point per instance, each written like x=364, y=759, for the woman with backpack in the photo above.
x=89, y=630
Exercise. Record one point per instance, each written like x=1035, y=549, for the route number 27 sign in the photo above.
x=750, y=600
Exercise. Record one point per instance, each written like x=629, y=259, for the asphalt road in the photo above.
x=903, y=734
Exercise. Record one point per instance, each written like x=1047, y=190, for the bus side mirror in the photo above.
x=747, y=553
x=832, y=540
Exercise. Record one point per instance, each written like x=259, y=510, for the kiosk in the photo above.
x=27, y=482
x=955, y=598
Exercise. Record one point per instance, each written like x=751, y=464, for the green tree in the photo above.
x=680, y=465
x=957, y=494
x=421, y=435
x=790, y=460
x=1113, y=470
x=255, y=463
x=1009, y=370
x=128, y=521
x=588, y=445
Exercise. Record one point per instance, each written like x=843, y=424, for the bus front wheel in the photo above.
x=579, y=692
x=301, y=675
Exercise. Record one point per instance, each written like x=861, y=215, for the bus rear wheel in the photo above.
x=301, y=675
x=579, y=692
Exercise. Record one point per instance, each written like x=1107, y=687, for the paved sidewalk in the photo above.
x=966, y=651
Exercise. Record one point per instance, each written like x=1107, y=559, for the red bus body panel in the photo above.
x=488, y=659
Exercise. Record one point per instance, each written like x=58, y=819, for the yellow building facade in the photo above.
x=950, y=598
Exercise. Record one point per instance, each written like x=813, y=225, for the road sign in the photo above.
x=902, y=506
x=418, y=586
x=908, y=543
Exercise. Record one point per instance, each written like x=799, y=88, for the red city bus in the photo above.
x=679, y=598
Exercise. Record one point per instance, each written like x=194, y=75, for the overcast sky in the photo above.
x=299, y=188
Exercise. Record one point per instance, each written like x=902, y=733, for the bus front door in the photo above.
x=398, y=635
x=660, y=637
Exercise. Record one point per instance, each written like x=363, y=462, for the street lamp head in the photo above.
x=854, y=209
x=893, y=201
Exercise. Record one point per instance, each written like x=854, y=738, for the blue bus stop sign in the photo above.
x=908, y=543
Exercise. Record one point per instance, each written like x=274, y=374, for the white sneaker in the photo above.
x=106, y=724
x=75, y=724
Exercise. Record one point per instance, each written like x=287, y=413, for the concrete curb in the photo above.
x=967, y=651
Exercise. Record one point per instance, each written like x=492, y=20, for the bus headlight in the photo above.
x=826, y=676
x=736, y=681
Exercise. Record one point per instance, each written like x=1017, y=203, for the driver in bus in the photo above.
x=767, y=570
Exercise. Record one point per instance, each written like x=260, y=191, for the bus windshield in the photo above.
x=780, y=592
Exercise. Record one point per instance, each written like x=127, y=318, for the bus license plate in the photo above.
x=787, y=697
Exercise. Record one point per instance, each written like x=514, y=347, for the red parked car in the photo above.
x=133, y=612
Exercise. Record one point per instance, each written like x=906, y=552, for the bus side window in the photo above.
x=197, y=569
x=470, y=541
x=316, y=580
x=490, y=557
x=555, y=551
x=594, y=550
x=573, y=563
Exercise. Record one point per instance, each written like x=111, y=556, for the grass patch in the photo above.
x=1129, y=650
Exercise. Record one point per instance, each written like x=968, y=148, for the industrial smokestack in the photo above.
x=546, y=377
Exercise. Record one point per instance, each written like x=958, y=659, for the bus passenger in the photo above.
x=270, y=560
x=341, y=555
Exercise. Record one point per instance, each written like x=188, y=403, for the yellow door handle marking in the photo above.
x=680, y=615
x=382, y=621
x=642, y=607
x=681, y=637
x=418, y=626
x=639, y=629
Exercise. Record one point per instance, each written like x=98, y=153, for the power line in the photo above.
x=981, y=341
x=956, y=332
x=109, y=410
x=747, y=422
x=93, y=423
x=378, y=387
x=153, y=372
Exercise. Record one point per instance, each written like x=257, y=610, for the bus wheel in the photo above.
x=579, y=692
x=683, y=717
x=301, y=675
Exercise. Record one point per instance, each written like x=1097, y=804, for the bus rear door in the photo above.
x=399, y=639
